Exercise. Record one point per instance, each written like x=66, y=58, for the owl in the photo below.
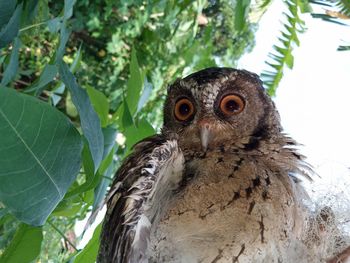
x=220, y=183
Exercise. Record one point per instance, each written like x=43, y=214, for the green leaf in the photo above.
x=45, y=148
x=3, y=211
x=134, y=134
x=100, y=103
x=127, y=119
x=48, y=75
x=59, y=88
x=10, y=31
x=88, y=165
x=89, y=253
x=71, y=110
x=12, y=67
x=6, y=10
x=68, y=8
x=67, y=208
x=109, y=135
x=25, y=245
x=146, y=92
x=92, y=178
x=54, y=24
x=107, y=168
x=289, y=61
x=64, y=35
x=343, y=48
x=101, y=189
x=134, y=85
x=76, y=62
x=90, y=122
x=305, y=7
x=30, y=11
x=241, y=12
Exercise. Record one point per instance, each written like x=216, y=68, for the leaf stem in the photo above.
x=62, y=235
x=31, y=26
x=18, y=81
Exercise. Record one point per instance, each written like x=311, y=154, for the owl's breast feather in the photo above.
x=233, y=210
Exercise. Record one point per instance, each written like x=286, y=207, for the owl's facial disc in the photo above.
x=216, y=107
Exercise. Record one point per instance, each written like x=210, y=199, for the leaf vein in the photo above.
x=32, y=153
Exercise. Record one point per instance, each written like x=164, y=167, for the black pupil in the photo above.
x=184, y=109
x=232, y=106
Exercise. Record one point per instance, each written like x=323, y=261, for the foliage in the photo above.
x=282, y=54
x=57, y=145
x=25, y=244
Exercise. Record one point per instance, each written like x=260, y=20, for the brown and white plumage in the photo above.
x=155, y=163
x=221, y=183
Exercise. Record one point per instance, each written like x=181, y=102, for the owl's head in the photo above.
x=219, y=106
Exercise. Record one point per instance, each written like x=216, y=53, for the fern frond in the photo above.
x=328, y=18
x=336, y=11
x=344, y=7
x=282, y=54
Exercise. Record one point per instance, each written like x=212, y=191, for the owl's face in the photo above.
x=218, y=106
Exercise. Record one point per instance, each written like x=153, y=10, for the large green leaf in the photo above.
x=90, y=123
x=25, y=245
x=6, y=11
x=30, y=11
x=40, y=156
x=10, y=31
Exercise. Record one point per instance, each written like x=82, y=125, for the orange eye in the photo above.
x=231, y=105
x=184, y=109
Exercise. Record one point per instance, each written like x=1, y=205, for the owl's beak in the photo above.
x=205, y=135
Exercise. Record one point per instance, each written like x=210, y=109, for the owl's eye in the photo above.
x=231, y=105
x=184, y=109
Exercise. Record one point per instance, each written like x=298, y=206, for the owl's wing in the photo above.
x=141, y=183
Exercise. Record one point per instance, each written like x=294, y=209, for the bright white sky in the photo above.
x=314, y=97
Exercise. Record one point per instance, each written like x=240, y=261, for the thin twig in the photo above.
x=62, y=235
x=18, y=81
x=106, y=177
